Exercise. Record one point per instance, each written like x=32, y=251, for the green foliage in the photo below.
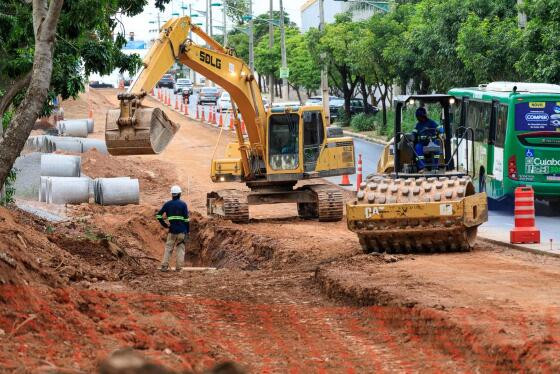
x=363, y=122
x=84, y=44
x=343, y=118
x=6, y=118
x=236, y=9
x=9, y=190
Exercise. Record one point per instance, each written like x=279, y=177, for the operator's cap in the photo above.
x=175, y=190
x=421, y=112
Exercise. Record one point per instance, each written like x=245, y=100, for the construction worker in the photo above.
x=177, y=213
x=426, y=133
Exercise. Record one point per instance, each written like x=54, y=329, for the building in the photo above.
x=361, y=9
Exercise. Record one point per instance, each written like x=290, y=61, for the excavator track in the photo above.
x=329, y=205
x=395, y=229
x=228, y=204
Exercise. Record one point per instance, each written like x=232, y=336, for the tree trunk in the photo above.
x=45, y=20
x=363, y=88
x=15, y=88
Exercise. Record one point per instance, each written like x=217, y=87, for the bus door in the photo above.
x=487, y=175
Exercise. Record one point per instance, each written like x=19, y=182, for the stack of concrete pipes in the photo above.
x=62, y=183
x=49, y=144
x=75, y=127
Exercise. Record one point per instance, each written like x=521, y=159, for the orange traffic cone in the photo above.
x=186, y=109
x=197, y=113
x=243, y=128
x=176, y=103
x=159, y=94
x=182, y=110
x=221, y=120
x=525, y=230
x=231, y=122
x=345, y=181
x=202, y=117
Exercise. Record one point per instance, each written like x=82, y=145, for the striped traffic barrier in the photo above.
x=524, y=217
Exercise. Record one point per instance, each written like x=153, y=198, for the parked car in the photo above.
x=98, y=84
x=208, y=95
x=166, y=81
x=182, y=84
x=317, y=100
x=224, y=102
x=356, y=106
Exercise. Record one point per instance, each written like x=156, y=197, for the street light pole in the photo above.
x=210, y=16
x=224, y=10
x=271, y=45
x=251, y=38
x=283, y=52
x=324, y=72
x=207, y=12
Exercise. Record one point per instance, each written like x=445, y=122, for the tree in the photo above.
x=62, y=37
x=490, y=47
x=304, y=71
x=540, y=59
x=335, y=43
x=236, y=10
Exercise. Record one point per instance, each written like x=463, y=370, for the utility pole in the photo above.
x=271, y=45
x=324, y=73
x=224, y=9
x=190, y=37
x=210, y=11
x=207, y=12
x=251, y=39
x=283, y=52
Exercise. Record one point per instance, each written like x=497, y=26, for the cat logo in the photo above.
x=372, y=211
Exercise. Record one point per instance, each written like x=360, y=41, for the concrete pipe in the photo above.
x=96, y=185
x=98, y=144
x=74, y=127
x=118, y=191
x=53, y=165
x=43, y=189
x=67, y=190
x=68, y=145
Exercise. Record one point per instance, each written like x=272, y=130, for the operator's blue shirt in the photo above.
x=420, y=128
x=177, y=214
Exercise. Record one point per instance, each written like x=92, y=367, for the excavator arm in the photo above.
x=134, y=129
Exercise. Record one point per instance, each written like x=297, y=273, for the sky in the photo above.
x=141, y=25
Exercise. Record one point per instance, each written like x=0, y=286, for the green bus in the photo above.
x=516, y=130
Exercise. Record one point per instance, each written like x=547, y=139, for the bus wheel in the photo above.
x=482, y=181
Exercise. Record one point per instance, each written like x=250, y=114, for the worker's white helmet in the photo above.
x=175, y=190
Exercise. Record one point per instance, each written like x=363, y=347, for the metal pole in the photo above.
x=324, y=73
x=283, y=52
x=271, y=45
x=207, y=12
x=210, y=10
x=224, y=10
x=190, y=37
x=251, y=38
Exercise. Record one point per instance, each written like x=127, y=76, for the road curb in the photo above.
x=364, y=137
x=520, y=248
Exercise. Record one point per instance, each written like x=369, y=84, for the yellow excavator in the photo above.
x=284, y=145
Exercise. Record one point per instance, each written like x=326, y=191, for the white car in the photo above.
x=224, y=102
x=183, y=84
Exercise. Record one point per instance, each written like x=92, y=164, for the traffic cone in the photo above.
x=182, y=110
x=202, y=117
x=159, y=94
x=197, y=113
x=186, y=109
x=243, y=128
x=176, y=103
x=231, y=122
x=359, y=175
x=524, y=217
x=345, y=181
x=221, y=120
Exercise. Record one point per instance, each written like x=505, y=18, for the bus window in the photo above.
x=501, y=125
x=478, y=118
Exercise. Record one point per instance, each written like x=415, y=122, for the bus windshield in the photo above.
x=537, y=116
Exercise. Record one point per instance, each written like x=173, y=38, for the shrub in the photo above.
x=343, y=119
x=9, y=191
x=363, y=122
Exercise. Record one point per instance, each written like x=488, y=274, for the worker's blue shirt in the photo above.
x=423, y=134
x=177, y=214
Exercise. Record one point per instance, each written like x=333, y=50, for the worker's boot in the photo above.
x=164, y=269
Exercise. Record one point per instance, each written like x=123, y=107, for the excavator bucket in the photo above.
x=150, y=134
